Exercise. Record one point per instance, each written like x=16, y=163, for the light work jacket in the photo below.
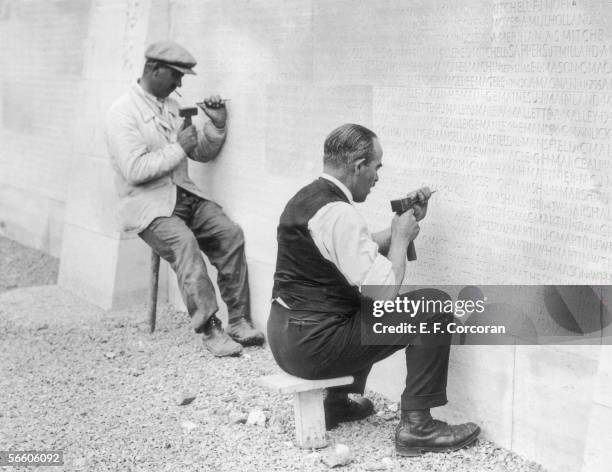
x=141, y=136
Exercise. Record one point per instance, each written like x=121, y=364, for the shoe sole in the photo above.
x=234, y=353
x=255, y=341
x=420, y=450
x=231, y=354
x=331, y=425
x=334, y=423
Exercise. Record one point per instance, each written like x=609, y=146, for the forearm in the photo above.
x=397, y=256
x=132, y=153
x=383, y=239
x=143, y=168
x=388, y=291
x=210, y=142
x=139, y=166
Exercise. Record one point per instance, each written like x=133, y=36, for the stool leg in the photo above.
x=309, y=419
x=153, y=284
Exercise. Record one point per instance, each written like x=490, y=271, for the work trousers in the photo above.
x=316, y=345
x=199, y=224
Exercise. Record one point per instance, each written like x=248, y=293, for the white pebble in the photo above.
x=189, y=425
x=257, y=418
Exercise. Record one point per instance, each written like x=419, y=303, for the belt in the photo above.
x=182, y=194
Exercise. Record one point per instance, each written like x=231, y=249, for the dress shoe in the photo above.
x=343, y=409
x=217, y=341
x=418, y=433
x=242, y=331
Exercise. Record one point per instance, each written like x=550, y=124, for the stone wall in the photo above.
x=43, y=46
x=502, y=106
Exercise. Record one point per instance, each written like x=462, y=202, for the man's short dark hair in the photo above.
x=150, y=65
x=347, y=144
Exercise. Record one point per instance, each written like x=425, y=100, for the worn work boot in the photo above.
x=242, y=331
x=217, y=341
x=340, y=409
x=418, y=433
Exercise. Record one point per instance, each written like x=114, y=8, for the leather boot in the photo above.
x=242, y=331
x=418, y=433
x=217, y=341
x=340, y=409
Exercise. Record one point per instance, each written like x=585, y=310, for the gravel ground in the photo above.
x=98, y=386
x=22, y=266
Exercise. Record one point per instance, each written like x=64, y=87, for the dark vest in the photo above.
x=304, y=279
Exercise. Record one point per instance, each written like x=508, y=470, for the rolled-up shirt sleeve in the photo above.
x=342, y=236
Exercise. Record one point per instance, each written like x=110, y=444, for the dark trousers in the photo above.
x=316, y=345
x=198, y=224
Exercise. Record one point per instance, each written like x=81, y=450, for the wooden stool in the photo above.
x=153, y=284
x=307, y=404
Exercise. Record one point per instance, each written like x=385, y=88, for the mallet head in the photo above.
x=187, y=113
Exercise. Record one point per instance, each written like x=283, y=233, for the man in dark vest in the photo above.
x=325, y=256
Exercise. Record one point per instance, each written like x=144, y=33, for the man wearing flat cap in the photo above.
x=149, y=147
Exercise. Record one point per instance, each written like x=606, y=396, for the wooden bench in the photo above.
x=307, y=404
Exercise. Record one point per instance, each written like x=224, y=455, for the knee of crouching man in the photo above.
x=236, y=235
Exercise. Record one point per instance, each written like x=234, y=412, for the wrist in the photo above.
x=219, y=125
x=401, y=240
x=182, y=148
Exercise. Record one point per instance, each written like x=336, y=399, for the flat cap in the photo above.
x=173, y=55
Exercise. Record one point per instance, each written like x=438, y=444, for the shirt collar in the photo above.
x=340, y=185
x=149, y=97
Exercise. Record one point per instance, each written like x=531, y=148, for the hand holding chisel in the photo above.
x=416, y=201
x=214, y=107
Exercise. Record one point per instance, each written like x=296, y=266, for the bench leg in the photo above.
x=309, y=419
x=153, y=284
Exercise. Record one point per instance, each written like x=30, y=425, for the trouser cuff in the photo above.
x=358, y=386
x=346, y=389
x=233, y=317
x=199, y=320
x=423, y=402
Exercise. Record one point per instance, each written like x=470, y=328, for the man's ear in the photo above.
x=156, y=68
x=358, y=165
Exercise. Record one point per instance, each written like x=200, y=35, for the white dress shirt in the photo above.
x=342, y=236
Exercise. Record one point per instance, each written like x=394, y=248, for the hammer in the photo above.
x=400, y=206
x=187, y=113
